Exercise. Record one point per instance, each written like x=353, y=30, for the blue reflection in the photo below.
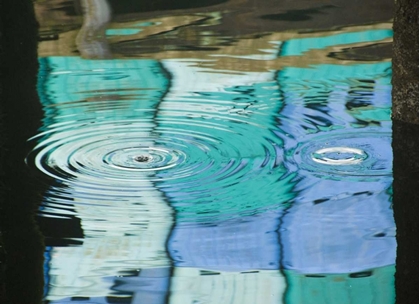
x=338, y=236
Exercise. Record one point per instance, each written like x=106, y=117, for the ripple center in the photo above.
x=339, y=156
x=142, y=158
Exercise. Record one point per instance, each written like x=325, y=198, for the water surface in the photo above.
x=193, y=162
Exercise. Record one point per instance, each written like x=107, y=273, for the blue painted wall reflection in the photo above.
x=338, y=237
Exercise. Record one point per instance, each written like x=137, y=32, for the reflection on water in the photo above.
x=215, y=168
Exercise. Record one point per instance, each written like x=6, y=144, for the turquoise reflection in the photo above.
x=296, y=47
x=244, y=159
x=86, y=102
x=116, y=32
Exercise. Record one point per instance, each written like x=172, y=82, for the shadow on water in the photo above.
x=215, y=153
x=21, y=243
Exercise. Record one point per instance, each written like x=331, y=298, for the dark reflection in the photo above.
x=21, y=243
x=59, y=231
x=405, y=143
x=374, y=52
x=238, y=17
x=406, y=169
x=131, y=6
x=362, y=274
x=299, y=14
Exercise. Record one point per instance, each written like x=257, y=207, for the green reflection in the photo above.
x=373, y=286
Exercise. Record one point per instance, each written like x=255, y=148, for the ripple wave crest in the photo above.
x=208, y=162
x=346, y=154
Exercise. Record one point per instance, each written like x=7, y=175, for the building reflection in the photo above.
x=307, y=237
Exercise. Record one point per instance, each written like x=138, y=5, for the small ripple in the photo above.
x=346, y=154
x=143, y=158
x=339, y=156
x=121, y=152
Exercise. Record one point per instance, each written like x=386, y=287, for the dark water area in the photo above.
x=221, y=152
x=21, y=242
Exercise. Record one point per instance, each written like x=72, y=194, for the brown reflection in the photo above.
x=180, y=37
x=242, y=54
x=236, y=35
x=240, y=17
x=372, y=52
x=236, y=27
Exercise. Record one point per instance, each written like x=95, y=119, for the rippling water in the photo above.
x=203, y=167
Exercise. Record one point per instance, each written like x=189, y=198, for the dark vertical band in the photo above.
x=22, y=270
x=405, y=103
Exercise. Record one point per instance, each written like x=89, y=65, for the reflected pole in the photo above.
x=91, y=39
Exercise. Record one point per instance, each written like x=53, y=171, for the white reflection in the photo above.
x=123, y=230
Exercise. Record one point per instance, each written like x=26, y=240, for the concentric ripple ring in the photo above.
x=200, y=169
x=339, y=156
x=144, y=158
x=361, y=154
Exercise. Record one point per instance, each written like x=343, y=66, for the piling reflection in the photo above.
x=91, y=40
x=220, y=168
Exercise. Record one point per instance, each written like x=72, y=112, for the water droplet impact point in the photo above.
x=142, y=158
x=339, y=156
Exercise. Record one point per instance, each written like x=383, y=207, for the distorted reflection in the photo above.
x=91, y=40
x=202, y=166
